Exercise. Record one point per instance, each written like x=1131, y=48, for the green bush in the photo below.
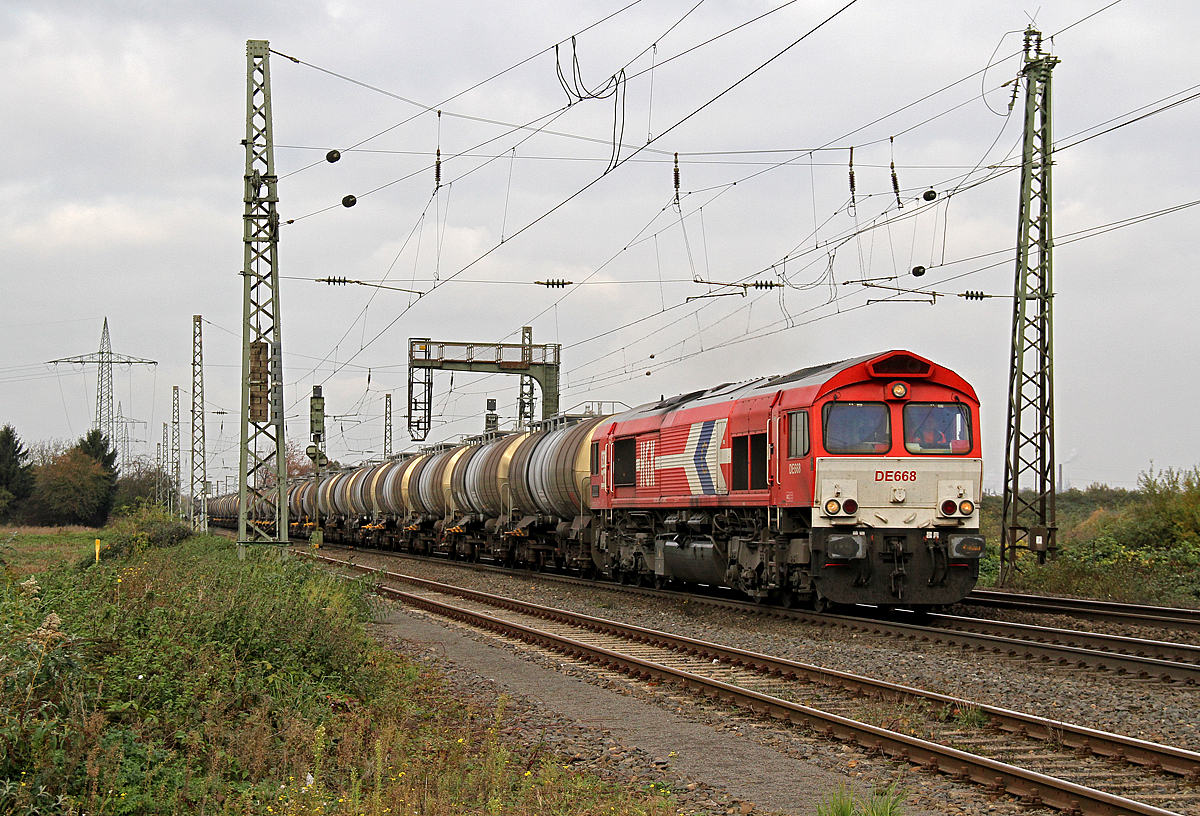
x=1134, y=546
x=182, y=680
x=142, y=526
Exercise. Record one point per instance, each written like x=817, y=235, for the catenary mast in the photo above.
x=199, y=513
x=262, y=473
x=1029, y=521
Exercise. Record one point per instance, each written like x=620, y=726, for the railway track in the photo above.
x=1160, y=617
x=1071, y=768
x=1125, y=656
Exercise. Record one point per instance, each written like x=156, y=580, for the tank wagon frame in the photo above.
x=851, y=482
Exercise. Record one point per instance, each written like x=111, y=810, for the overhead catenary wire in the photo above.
x=622, y=160
x=886, y=222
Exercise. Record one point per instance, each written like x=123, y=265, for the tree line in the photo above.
x=64, y=485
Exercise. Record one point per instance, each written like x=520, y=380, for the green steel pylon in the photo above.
x=1029, y=521
x=262, y=473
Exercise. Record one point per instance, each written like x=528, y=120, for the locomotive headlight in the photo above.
x=849, y=507
x=966, y=507
x=833, y=507
x=899, y=390
x=966, y=546
x=949, y=507
x=846, y=546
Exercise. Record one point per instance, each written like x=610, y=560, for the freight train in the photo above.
x=855, y=482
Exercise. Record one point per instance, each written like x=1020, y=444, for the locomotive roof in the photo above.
x=810, y=375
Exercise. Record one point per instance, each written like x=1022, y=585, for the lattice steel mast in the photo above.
x=1029, y=519
x=168, y=489
x=387, y=426
x=527, y=404
x=262, y=472
x=122, y=423
x=199, y=512
x=176, y=467
x=104, y=360
x=121, y=427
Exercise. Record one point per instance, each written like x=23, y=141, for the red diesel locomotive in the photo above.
x=852, y=482
x=846, y=483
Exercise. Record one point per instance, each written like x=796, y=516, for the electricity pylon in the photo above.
x=262, y=471
x=104, y=360
x=1029, y=520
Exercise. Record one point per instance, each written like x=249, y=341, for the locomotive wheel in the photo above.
x=820, y=603
x=787, y=598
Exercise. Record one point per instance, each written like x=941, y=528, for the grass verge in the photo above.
x=28, y=550
x=176, y=679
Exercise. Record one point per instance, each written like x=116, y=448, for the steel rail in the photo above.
x=1161, y=649
x=1144, y=667
x=1161, y=617
x=1033, y=788
x=1064, y=655
x=1154, y=756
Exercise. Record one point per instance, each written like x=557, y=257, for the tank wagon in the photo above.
x=855, y=482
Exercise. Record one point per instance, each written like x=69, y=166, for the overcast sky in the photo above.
x=122, y=198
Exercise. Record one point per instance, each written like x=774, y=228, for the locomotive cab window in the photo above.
x=937, y=428
x=857, y=427
x=797, y=434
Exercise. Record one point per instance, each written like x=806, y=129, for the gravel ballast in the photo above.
x=718, y=761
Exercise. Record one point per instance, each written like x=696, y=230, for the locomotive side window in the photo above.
x=748, y=462
x=595, y=458
x=797, y=434
x=625, y=462
x=758, y=461
x=937, y=428
x=739, y=459
x=857, y=427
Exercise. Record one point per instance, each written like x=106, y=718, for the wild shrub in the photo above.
x=1145, y=549
x=141, y=526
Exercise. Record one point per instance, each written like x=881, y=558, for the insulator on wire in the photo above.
x=764, y=284
x=554, y=283
x=972, y=295
x=852, y=201
x=333, y=280
x=895, y=181
x=437, y=170
x=676, y=178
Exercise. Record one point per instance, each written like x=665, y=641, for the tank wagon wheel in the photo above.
x=661, y=581
x=787, y=598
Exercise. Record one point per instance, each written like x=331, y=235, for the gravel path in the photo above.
x=718, y=762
